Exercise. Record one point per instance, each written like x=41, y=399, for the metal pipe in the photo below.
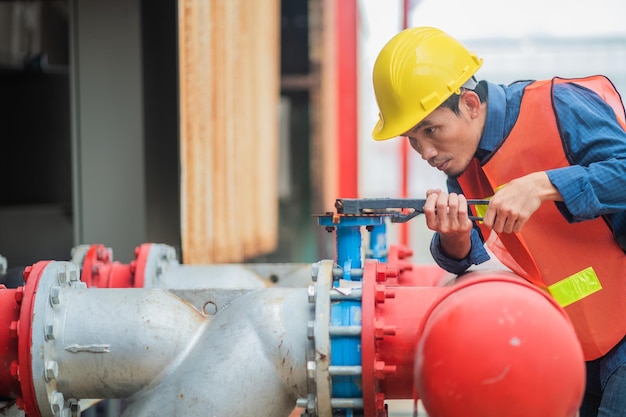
x=251, y=358
x=165, y=352
x=112, y=343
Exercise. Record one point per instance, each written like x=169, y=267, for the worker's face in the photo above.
x=446, y=140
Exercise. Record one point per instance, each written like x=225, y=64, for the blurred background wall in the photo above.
x=92, y=109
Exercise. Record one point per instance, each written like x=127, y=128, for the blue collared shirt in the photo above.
x=594, y=184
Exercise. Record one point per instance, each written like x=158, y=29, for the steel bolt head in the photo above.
x=311, y=403
x=311, y=293
x=49, y=331
x=73, y=276
x=315, y=269
x=74, y=408
x=311, y=367
x=56, y=402
x=54, y=295
x=52, y=370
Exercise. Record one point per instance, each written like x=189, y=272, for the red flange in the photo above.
x=368, y=346
x=9, y=323
x=28, y=400
x=392, y=316
x=99, y=270
x=139, y=266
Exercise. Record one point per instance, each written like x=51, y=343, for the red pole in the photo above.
x=346, y=59
x=404, y=156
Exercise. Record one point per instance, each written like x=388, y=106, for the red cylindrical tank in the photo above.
x=496, y=346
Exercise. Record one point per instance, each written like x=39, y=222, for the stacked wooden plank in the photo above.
x=229, y=103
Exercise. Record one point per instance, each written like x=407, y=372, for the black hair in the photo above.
x=452, y=102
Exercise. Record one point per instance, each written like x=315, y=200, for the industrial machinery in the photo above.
x=339, y=337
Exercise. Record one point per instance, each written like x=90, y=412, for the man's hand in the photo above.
x=512, y=205
x=448, y=215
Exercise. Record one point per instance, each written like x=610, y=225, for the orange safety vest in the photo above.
x=580, y=264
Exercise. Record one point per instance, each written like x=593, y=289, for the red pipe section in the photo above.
x=99, y=270
x=497, y=345
x=9, y=324
x=390, y=320
x=16, y=313
x=488, y=344
x=347, y=112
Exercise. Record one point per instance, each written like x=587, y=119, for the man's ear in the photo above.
x=471, y=102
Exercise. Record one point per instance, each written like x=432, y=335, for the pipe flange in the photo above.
x=318, y=401
x=47, y=319
x=322, y=339
x=78, y=254
x=152, y=262
x=321, y=330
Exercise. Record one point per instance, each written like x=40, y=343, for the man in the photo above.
x=551, y=157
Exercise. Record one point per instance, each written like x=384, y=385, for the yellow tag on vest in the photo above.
x=575, y=287
x=481, y=209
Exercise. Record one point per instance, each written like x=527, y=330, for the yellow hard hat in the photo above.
x=415, y=72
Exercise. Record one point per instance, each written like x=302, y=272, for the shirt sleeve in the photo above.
x=478, y=254
x=595, y=144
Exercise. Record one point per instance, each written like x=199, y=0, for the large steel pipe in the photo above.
x=249, y=361
x=179, y=353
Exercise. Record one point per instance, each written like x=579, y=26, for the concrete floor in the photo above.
x=396, y=408
x=404, y=408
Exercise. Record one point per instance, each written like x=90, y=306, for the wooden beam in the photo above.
x=229, y=101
